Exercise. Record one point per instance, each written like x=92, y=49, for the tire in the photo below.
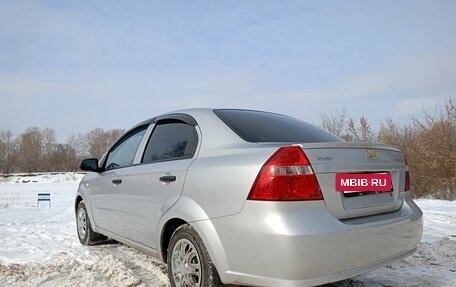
x=84, y=229
x=189, y=263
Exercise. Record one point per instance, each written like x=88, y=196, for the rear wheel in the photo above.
x=189, y=263
x=86, y=234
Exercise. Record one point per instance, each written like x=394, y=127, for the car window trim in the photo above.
x=142, y=145
x=187, y=119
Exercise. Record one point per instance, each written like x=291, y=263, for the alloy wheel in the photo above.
x=82, y=223
x=186, y=264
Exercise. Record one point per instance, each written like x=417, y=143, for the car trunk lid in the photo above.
x=329, y=159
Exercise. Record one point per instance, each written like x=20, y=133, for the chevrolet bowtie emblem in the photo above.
x=372, y=154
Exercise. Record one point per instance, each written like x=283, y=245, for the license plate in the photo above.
x=363, y=182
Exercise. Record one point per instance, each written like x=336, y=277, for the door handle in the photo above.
x=116, y=181
x=168, y=178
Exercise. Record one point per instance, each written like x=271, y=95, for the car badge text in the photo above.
x=371, y=154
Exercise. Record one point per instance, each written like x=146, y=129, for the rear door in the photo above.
x=153, y=185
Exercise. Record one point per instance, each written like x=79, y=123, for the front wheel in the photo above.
x=189, y=263
x=86, y=234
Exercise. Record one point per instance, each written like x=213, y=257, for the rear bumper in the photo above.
x=303, y=244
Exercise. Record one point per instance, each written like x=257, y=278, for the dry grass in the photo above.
x=428, y=142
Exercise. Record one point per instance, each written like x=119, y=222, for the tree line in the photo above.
x=427, y=140
x=37, y=150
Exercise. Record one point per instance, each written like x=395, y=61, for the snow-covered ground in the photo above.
x=39, y=245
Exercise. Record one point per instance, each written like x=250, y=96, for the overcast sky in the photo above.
x=79, y=65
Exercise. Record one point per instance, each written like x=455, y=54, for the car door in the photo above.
x=152, y=186
x=107, y=199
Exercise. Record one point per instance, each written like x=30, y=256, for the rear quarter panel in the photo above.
x=220, y=182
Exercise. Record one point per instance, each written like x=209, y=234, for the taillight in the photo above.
x=407, y=177
x=286, y=176
x=407, y=181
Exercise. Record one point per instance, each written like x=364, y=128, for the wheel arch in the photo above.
x=76, y=202
x=167, y=231
x=187, y=211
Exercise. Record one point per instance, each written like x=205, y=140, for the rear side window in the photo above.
x=169, y=141
x=256, y=126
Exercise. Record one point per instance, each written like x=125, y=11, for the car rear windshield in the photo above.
x=256, y=126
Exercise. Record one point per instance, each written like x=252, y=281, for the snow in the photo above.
x=39, y=245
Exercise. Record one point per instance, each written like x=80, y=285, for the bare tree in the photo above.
x=99, y=140
x=64, y=158
x=49, y=149
x=8, y=153
x=80, y=144
x=335, y=123
x=344, y=126
x=391, y=133
x=433, y=157
x=30, y=150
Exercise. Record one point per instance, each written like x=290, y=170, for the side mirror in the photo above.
x=90, y=164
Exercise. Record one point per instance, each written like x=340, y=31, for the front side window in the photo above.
x=124, y=152
x=171, y=140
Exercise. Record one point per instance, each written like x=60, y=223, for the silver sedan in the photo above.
x=227, y=196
